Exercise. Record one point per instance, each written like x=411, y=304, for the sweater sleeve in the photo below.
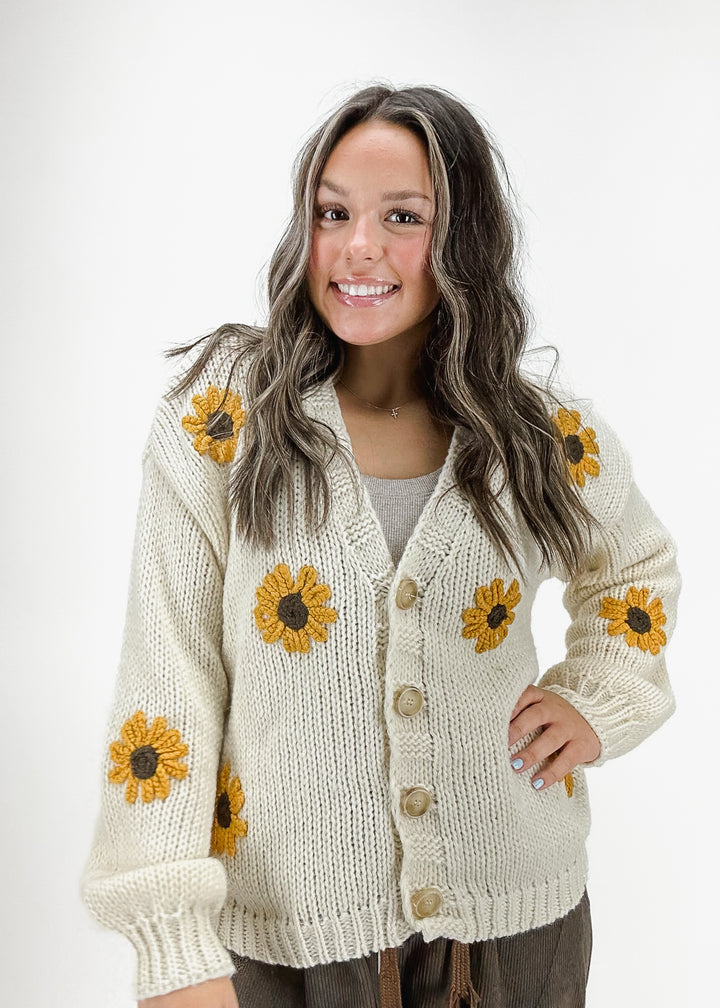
x=151, y=875
x=622, y=603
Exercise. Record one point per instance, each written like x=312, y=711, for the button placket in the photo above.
x=414, y=800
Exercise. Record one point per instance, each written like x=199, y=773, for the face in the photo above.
x=368, y=277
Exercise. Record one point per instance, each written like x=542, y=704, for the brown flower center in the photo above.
x=144, y=762
x=496, y=616
x=219, y=425
x=638, y=620
x=292, y=611
x=223, y=812
x=574, y=448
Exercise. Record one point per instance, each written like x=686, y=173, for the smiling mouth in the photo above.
x=366, y=290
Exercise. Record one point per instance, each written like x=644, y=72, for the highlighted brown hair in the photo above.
x=471, y=363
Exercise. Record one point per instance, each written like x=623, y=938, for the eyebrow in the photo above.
x=399, y=194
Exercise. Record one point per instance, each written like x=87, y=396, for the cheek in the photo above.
x=412, y=258
x=414, y=265
x=316, y=277
x=313, y=260
x=431, y=290
x=322, y=251
x=314, y=268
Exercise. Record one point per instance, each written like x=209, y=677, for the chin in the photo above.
x=364, y=338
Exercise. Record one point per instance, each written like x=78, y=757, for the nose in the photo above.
x=364, y=241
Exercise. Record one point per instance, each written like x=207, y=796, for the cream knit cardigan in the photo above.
x=309, y=762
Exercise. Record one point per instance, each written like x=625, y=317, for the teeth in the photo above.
x=365, y=290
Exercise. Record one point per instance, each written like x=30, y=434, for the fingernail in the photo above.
x=537, y=784
x=516, y=763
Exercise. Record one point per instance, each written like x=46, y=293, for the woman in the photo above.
x=328, y=753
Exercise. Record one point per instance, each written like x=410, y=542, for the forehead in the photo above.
x=380, y=153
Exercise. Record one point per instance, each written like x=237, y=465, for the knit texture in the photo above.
x=343, y=721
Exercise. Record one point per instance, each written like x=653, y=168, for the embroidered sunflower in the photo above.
x=147, y=758
x=227, y=826
x=293, y=610
x=492, y=615
x=217, y=424
x=580, y=445
x=640, y=621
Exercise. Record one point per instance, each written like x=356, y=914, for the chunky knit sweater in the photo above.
x=308, y=750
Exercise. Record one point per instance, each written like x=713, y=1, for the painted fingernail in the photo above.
x=516, y=763
x=537, y=784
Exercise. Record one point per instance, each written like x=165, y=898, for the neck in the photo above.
x=384, y=374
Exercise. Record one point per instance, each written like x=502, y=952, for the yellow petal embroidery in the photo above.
x=579, y=444
x=640, y=622
x=217, y=423
x=293, y=609
x=147, y=758
x=488, y=620
x=227, y=825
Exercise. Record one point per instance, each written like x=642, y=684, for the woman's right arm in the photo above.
x=151, y=875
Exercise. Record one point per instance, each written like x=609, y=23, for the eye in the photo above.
x=331, y=213
x=399, y=216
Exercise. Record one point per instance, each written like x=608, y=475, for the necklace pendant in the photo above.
x=393, y=412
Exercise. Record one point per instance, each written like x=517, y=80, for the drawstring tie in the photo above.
x=462, y=992
x=390, y=996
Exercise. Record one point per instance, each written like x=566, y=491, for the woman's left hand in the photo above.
x=565, y=741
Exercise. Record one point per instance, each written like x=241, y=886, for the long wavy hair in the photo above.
x=470, y=365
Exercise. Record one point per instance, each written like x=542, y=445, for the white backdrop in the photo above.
x=144, y=183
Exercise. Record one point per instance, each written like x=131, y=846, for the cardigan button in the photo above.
x=415, y=801
x=426, y=902
x=409, y=702
x=406, y=593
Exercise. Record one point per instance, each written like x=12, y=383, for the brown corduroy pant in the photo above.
x=543, y=968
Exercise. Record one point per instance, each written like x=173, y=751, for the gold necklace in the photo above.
x=393, y=411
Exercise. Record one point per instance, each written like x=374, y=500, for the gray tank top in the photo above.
x=398, y=504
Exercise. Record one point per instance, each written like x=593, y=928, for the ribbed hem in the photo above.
x=472, y=919
x=331, y=938
x=464, y=917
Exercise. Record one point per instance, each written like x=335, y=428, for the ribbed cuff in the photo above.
x=169, y=912
x=177, y=951
x=614, y=721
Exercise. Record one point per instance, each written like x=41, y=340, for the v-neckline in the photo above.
x=444, y=511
